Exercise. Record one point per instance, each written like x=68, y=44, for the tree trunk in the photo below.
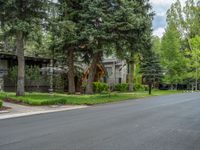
x=92, y=72
x=21, y=63
x=131, y=78
x=150, y=88
x=71, y=76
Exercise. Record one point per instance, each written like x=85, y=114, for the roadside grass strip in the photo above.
x=39, y=99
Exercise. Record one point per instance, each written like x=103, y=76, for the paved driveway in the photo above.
x=16, y=110
x=157, y=123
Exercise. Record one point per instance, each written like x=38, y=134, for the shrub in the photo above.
x=121, y=87
x=140, y=87
x=46, y=102
x=1, y=103
x=100, y=87
x=59, y=83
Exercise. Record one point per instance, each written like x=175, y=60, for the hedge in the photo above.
x=121, y=87
x=100, y=87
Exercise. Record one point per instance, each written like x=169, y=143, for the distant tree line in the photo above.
x=179, y=48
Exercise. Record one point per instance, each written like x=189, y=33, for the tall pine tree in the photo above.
x=133, y=28
x=151, y=70
x=19, y=18
x=95, y=22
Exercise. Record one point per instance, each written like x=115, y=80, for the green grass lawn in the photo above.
x=37, y=99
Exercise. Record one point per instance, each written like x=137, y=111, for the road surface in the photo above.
x=158, y=123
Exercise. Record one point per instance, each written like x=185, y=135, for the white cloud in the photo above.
x=160, y=8
x=165, y=2
x=161, y=14
x=159, y=32
x=161, y=2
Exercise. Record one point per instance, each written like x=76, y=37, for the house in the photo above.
x=116, y=71
x=8, y=61
x=111, y=71
x=100, y=73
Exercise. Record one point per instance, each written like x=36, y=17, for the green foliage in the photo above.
x=100, y=87
x=38, y=99
x=137, y=86
x=156, y=45
x=18, y=19
x=32, y=74
x=172, y=57
x=123, y=87
x=151, y=69
x=18, y=15
x=186, y=18
x=12, y=74
x=133, y=26
x=133, y=22
x=59, y=83
x=193, y=59
x=180, y=42
x=26, y=17
x=101, y=26
x=140, y=87
x=1, y=103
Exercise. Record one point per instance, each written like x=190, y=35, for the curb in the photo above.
x=38, y=112
x=4, y=111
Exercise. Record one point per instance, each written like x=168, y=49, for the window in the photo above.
x=109, y=71
x=120, y=80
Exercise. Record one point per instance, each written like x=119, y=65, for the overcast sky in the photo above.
x=160, y=7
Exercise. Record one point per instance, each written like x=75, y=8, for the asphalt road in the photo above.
x=158, y=123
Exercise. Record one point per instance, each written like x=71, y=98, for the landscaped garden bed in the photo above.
x=37, y=99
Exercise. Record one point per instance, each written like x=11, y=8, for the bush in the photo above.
x=59, y=83
x=55, y=101
x=140, y=87
x=121, y=87
x=1, y=103
x=100, y=87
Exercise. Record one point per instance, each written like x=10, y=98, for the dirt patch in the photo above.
x=4, y=108
x=10, y=100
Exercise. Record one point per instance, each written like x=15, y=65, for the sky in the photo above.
x=160, y=8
